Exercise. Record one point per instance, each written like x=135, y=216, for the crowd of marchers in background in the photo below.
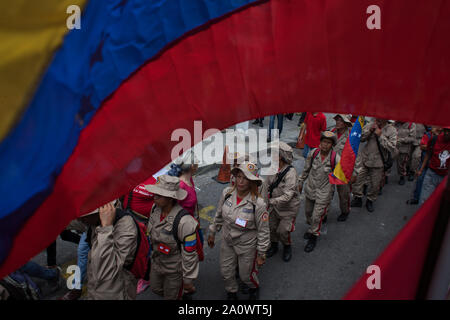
x=151, y=237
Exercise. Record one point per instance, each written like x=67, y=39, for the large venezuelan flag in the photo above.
x=87, y=114
x=344, y=169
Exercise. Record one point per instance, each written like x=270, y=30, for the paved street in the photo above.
x=341, y=256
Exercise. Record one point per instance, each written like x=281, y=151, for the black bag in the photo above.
x=20, y=286
x=387, y=163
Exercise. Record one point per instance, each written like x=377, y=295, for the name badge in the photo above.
x=247, y=210
x=241, y=222
x=163, y=248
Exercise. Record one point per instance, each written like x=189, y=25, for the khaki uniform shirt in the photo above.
x=314, y=179
x=179, y=258
x=242, y=228
x=341, y=141
x=370, y=156
x=285, y=198
x=112, y=248
x=406, y=136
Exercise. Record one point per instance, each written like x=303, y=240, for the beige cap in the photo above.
x=114, y=203
x=167, y=186
x=286, y=152
x=250, y=170
x=329, y=135
x=346, y=117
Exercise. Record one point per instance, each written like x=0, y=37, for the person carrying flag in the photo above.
x=342, y=130
x=318, y=189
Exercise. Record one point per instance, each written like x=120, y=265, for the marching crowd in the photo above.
x=152, y=236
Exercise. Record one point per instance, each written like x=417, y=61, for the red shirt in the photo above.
x=142, y=200
x=314, y=126
x=238, y=200
x=425, y=139
x=440, y=159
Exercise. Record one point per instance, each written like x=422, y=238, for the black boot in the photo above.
x=402, y=180
x=232, y=296
x=369, y=205
x=307, y=235
x=244, y=288
x=256, y=121
x=253, y=294
x=343, y=216
x=311, y=243
x=287, y=253
x=272, y=250
x=356, y=202
x=261, y=124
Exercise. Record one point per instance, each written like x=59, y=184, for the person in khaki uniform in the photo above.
x=371, y=162
x=318, y=190
x=284, y=202
x=342, y=131
x=113, y=245
x=242, y=216
x=416, y=152
x=406, y=135
x=175, y=265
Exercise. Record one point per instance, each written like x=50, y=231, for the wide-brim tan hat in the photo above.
x=329, y=135
x=114, y=203
x=250, y=170
x=345, y=117
x=167, y=186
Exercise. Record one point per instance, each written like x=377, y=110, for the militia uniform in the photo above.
x=406, y=135
x=343, y=190
x=284, y=203
x=173, y=263
x=318, y=190
x=245, y=233
x=372, y=166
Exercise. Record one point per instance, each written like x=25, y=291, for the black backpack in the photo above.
x=20, y=286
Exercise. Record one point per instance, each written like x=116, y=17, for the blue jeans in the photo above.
x=419, y=184
x=35, y=270
x=430, y=182
x=272, y=125
x=82, y=252
x=306, y=150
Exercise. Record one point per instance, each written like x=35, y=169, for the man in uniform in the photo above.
x=406, y=135
x=281, y=193
x=371, y=161
x=318, y=189
x=113, y=246
x=342, y=131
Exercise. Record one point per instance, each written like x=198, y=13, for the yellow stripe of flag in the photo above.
x=30, y=32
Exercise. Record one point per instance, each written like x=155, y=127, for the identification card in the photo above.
x=163, y=248
x=241, y=222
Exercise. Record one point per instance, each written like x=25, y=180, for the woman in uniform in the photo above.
x=243, y=218
x=174, y=264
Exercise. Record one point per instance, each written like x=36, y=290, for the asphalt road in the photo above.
x=341, y=256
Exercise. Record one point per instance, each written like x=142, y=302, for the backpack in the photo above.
x=387, y=163
x=20, y=286
x=332, y=160
x=141, y=260
x=198, y=233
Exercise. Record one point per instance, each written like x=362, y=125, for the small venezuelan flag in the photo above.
x=344, y=169
x=190, y=243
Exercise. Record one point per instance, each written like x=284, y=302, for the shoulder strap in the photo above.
x=333, y=160
x=280, y=177
x=176, y=222
x=227, y=196
x=130, y=196
x=379, y=149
